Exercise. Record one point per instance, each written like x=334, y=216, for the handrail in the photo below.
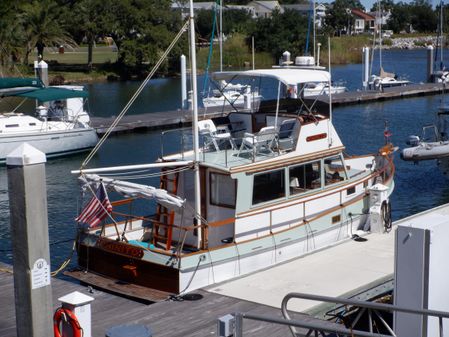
x=300, y=324
x=360, y=304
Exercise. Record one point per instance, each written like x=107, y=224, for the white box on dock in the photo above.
x=421, y=274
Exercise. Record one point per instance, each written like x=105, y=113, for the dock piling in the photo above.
x=29, y=235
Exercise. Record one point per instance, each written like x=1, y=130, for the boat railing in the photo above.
x=176, y=141
x=225, y=151
x=374, y=311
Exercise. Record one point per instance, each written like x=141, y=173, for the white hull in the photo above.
x=426, y=151
x=52, y=143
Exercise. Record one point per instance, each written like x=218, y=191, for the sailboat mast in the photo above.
x=196, y=168
x=379, y=16
x=441, y=34
x=221, y=35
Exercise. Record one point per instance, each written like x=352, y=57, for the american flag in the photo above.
x=96, y=209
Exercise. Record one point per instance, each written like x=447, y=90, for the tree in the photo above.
x=422, y=17
x=385, y=5
x=281, y=32
x=142, y=30
x=11, y=34
x=339, y=16
x=87, y=22
x=43, y=26
x=400, y=18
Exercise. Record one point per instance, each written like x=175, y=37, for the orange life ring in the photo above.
x=76, y=328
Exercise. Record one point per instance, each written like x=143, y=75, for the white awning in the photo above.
x=288, y=76
x=136, y=190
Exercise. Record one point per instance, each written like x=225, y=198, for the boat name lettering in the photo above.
x=316, y=137
x=122, y=249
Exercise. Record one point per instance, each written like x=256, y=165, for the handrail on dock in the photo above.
x=322, y=328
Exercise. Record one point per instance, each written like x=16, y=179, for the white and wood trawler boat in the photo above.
x=266, y=184
x=60, y=125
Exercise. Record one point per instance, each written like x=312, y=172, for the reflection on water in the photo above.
x=418, y=187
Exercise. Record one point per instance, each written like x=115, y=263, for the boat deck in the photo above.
x=346, y=270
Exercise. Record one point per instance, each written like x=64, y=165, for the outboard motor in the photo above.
x=413, y=141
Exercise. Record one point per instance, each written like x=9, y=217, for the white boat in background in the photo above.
x=385, y=80
x=433, y=143
x=227, y=94
x=311, y=88
x=263, y=185
x=59, y=125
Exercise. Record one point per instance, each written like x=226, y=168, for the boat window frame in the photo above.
x=212, y=201
x=265, y=202
x=288, y=168
x=344, y=170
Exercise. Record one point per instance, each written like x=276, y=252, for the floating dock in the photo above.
x=182, y=118
x=351, y=269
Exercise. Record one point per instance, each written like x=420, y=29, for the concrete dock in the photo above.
x=346, y=269
x=181, y=118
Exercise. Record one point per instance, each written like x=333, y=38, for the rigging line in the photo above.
x=136, y=94
x=209, y=57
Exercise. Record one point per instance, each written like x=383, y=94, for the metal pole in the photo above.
x=221, y=35
x=252, y=43
x=29, y=235
x=196, y=168
x=183, y=83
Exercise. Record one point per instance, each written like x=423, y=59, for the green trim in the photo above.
x=53, y=94
x=14, y=82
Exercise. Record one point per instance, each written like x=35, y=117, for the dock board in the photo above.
x=195, y=315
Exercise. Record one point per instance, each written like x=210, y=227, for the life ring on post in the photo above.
x=386, y=215
x=70, y=317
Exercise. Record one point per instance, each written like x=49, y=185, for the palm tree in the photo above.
x=11, y=35
x=43, y=25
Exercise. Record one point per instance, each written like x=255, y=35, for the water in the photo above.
x=418, y=187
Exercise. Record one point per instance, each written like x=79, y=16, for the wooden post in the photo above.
x=29, y=233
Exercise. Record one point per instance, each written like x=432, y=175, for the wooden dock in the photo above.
x=183, y=118
x=192, y=315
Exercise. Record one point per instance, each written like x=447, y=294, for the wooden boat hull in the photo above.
x=124, y=262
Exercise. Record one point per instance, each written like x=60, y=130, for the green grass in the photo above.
x=345, y=49
x=79, y=55
x=236, y=55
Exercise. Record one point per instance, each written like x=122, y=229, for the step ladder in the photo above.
x=165, y=218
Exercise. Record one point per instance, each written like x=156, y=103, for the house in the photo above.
x=265, y=9
x=381, y=17
x=320, y=11
x=362, y=21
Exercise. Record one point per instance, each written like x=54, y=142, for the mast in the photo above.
x=196, y=168
x=221, y=35
x=441, y=34
x=379, y=16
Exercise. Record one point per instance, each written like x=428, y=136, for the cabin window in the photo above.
x=222, y=190
x=334, y=170
x=32, y=124
x=268, y=186
x=12, y=125
x=305, y=177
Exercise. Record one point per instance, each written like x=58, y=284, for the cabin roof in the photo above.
x=288, y=76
